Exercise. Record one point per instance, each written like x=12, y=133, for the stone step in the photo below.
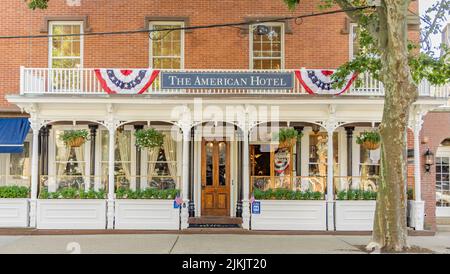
x=443, y=220
x=215, y=220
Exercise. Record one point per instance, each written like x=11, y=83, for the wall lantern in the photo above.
x=262, y=30
x=429, y=160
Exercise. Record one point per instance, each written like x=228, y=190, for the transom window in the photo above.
x=65, y=51
x=267, y=50
x=167, y=47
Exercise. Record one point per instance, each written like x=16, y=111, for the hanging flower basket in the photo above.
x=149, y=138
x=369, y=140
x=287, y=137
x=370, y=145
x=74, y=138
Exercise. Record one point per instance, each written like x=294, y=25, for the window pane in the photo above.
x=222, y=163
x=66, y=46
x=164, y=45
x=19, y=164
x=209, y=163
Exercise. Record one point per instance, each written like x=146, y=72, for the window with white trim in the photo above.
x=267, y=50
x=353, y=41
x=66, y=51
x=442, y=181
x=167, y=46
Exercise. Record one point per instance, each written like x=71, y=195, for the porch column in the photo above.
x=35, y=126
x=419, y=205
x=191, y=174
x=93, y=135
x=246, y=180
x=239, y=173
x=349, y=131
x=138, y=160
x=111, y=182
x=330, y=173
x=185, y=177
x=298, y=152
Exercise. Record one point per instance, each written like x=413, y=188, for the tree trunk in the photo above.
x=390, y=230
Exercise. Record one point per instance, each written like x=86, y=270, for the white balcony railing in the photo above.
x=83, y=81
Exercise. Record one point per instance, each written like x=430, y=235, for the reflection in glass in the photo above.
x=222, y=163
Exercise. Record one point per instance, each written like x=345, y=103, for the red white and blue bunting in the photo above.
x=318, y=81
x=129, y=81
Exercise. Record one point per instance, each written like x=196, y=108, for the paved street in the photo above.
x=202, y=243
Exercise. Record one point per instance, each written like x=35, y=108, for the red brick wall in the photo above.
x=437, y=128
x=316, y=43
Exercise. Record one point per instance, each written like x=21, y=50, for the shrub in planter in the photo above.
x=369, y=140
x=287, y=137
x=9, y=192
x=74, y=138
x=37, y=4
x=72, y=193
x=286, y=194
x=356, y=195
x=148, y=193
x=149, y=138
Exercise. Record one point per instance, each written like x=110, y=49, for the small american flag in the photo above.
x=178, y=200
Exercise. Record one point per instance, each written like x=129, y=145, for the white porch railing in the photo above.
x=83, y=81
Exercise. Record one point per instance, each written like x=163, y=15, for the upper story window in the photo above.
x=66, y=51
x=167, y=46
x=267, y=50
x=354, y=41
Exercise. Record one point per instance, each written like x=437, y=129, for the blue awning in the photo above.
x=13, y=132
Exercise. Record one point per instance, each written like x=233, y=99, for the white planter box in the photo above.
x=14, y=212
x=71, y=214
x=410, y=214
x=146, y=214
x=355, y=215
x=290, y=215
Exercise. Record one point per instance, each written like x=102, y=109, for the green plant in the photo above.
x=149, y=138
x=72, y=193
x=410, y=194
x=37, y=4
x=286, y=194
x=69, y=135
x=14, y=192
x=356, y=194
x=148, y=193
x=368, y=136
x=287, y=134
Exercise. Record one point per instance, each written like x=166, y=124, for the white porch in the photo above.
x=244, y=113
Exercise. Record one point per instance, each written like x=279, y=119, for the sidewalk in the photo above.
x=203, y=243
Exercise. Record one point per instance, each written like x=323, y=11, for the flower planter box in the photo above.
x=14, y=212
x=71, y=214
x=290, y=215
x=355, y=215
x=146, y=214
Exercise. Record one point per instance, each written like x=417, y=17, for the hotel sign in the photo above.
x=226, y=80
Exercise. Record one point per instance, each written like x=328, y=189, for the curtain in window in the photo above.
x=123, y=142
x=169, y=147
x=152, y=157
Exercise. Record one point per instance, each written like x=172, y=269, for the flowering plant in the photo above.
x=149, y=138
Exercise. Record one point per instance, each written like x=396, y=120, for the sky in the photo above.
x=423, y=6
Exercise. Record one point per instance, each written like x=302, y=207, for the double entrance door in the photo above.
x=215, y=178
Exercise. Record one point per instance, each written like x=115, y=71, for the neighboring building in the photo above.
x=211, y=92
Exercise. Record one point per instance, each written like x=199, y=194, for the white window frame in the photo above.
x=50, y=40
x=5, y=160
x=251, y=29
x=182, y=32
x=351, y=36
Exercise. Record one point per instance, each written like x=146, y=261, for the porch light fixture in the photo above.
x=429, y=160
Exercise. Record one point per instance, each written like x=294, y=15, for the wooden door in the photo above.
x=215, y=178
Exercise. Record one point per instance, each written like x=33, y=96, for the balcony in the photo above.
x=83, y=81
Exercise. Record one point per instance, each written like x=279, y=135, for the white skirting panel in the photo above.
x=355, y=215
x=290, y=215
x=146, y=214
x=410, y=214
x=71, y=214
x=14, y=212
